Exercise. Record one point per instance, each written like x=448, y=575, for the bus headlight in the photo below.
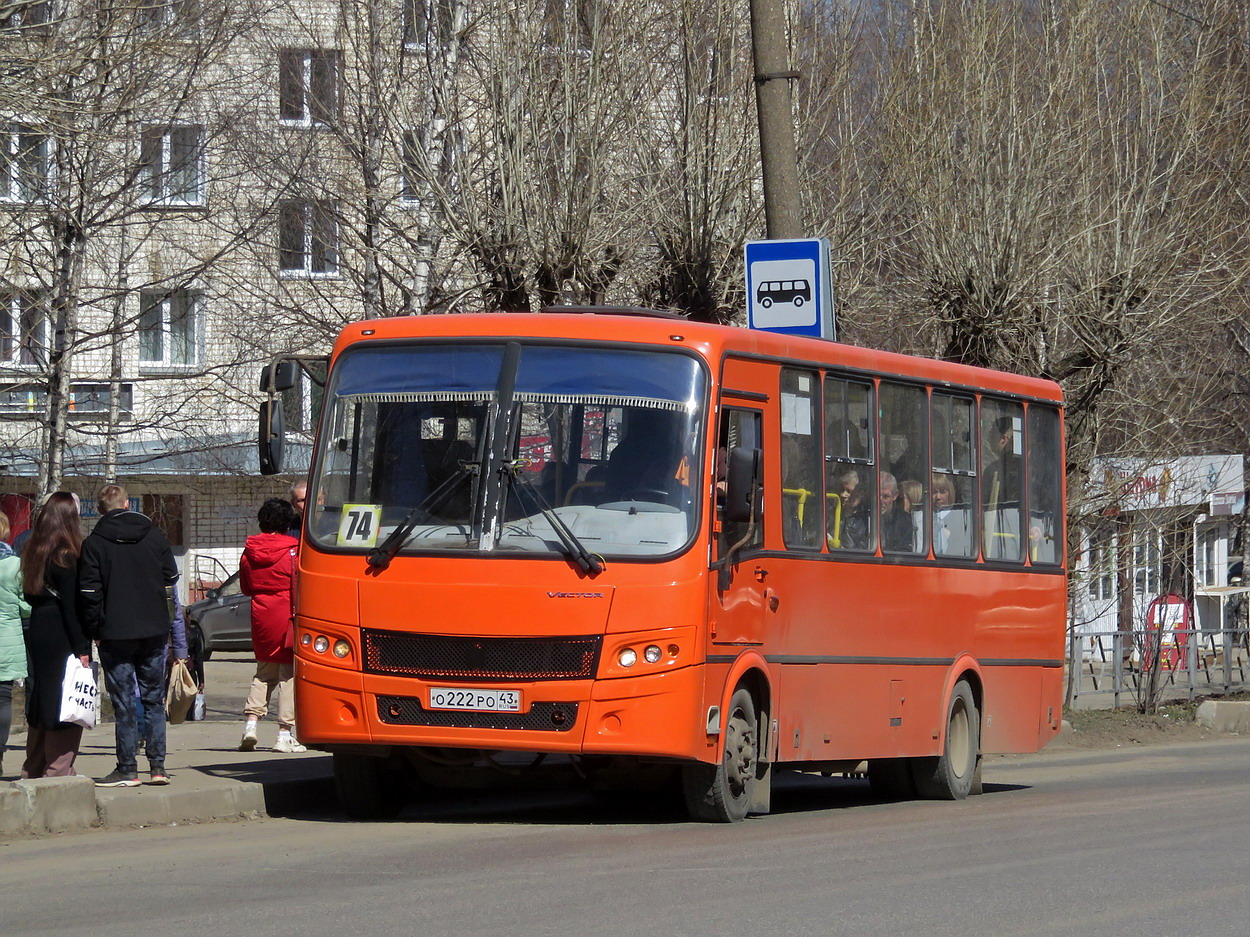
x=342, y=648
x=651, y=654
x=321, y=643
x=628, y=657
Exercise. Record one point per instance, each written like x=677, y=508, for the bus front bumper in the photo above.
x=658, y=715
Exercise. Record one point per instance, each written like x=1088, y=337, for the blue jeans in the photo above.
x=125, y=662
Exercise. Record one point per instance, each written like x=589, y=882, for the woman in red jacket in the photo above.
x=266, y=573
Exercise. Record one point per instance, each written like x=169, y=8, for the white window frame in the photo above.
x=11, y=180
x=304, y=92
x=307, y=210
x=164, y=300
x=156, y=176
x=16, y=345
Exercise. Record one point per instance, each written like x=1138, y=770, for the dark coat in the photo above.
x=124, y=575
x=266, y=573
x=53, y=635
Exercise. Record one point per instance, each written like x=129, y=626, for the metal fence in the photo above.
x=1113, y=668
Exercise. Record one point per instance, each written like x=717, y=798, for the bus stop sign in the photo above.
x=789, y=287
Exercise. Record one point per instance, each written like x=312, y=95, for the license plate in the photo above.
x=499, y=701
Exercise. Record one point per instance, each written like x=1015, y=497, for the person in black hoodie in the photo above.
x=126, y=575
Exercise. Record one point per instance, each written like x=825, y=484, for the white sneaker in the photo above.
x=248, y=742
x=288, y=745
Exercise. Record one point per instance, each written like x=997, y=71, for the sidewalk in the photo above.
x=211, y=780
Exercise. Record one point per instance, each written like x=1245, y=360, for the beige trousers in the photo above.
x=271, y=676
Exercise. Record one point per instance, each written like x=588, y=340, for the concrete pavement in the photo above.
x=211, y=779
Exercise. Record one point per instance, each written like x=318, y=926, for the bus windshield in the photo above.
x=509, y=448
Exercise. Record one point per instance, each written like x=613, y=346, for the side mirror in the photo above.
x=271, y=437
x=212, y=594
x=278, y=376
x=741, y=482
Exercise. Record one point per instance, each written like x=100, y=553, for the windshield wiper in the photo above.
x=589, y=563
x=380, y=556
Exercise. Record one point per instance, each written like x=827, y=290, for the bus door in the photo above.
x=740, y=586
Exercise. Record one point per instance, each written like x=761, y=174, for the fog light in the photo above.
x=321, y=644
x=628, y=657
x=342, y=648
x=305, y=639
x=652, y=653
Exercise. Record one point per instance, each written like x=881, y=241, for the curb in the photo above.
x=59, y=805
x=1224, y=715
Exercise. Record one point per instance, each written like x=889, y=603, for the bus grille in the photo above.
x=542, y=717
x=443, y=657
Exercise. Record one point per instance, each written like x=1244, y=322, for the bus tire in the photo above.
x=368, y=787
x=721, y=793
x=952, y=774
x=891, y=778
x=798, y=302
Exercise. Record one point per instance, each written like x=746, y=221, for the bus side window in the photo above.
x=904, y=442
x=801, y=490
x=953, y=483
x=738, y=428
x=850, y=466
x=1002, y=497
x=1045, y=467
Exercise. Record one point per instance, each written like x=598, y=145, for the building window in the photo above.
x=169, y=16
x=87, y=401
x=308, y=237
x=172, y=160
x=427, y=20
x=24, y=14
x=412, y=158
x=572, y=23
x=24, y=328
x=169, y=328
x=301, y=404
x=308, y=86
x=23, y=163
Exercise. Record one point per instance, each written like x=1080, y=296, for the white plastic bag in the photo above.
x=80, y=694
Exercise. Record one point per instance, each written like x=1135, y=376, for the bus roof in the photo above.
x=712, y=341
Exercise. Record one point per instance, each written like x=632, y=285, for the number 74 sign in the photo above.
x=358, y=525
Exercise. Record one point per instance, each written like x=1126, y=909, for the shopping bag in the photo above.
x=180, y=696
x=80, y=693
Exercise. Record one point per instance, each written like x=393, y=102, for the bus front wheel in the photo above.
x=721, y=793
x=369, y=788
x=953, y=774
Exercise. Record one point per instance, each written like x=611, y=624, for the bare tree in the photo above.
x=112, y=109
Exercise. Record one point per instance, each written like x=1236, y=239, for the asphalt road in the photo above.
x=1145, y=842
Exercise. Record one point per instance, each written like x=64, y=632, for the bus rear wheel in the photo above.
x=953, y=774
x=369, y=788
x=721, y=793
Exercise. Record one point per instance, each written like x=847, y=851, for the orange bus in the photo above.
x=640, y=541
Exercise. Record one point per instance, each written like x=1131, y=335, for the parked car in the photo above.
x=222, y=620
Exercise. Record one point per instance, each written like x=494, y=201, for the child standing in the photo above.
x=266, y=573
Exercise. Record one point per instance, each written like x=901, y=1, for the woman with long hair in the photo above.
x=50, y=581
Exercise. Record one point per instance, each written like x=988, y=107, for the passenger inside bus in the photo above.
x=911, y=496
x=896, y=526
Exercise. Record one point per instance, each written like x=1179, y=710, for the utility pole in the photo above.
x=783, y=212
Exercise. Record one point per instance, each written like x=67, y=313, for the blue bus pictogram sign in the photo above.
x=789, y=287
